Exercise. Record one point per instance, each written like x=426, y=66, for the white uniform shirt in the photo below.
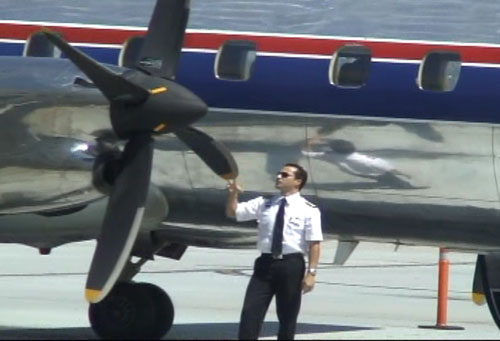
x=362, y=164
x=302, y=222
x=355, y=163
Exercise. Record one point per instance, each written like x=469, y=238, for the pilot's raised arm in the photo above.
x=232, y=198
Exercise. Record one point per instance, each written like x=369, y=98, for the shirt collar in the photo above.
x=291, y=198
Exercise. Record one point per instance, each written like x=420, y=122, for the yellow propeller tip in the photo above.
x=92, y=295
x=478, y=298
x=160, y=127
x=158, y=90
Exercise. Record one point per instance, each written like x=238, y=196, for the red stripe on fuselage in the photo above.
x=322, y=46
x=72, y=34
x=265, y=43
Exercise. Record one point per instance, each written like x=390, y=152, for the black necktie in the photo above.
x=279, y=223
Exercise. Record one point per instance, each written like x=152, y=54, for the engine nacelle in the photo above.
x=106, y=168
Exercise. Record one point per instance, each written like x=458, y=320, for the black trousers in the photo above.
x=280, y=277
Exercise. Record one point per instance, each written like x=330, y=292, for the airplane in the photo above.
x=131, y=140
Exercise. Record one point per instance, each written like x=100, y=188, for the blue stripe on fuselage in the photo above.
x=11, y=49
x=301, y=85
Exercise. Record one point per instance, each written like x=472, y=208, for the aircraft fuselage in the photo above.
x=388, y=161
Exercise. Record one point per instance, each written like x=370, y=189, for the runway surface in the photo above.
x=378, y=294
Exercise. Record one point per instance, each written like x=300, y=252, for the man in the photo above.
x=289, y=227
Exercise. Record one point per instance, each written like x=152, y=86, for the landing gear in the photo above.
x=163, y=307
x=133, y=311
x=487, y=270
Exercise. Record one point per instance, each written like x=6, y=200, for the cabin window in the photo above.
x=38, y=45
x=235, y=60
x=350, y=66
x=439, y=71
x=129, y=54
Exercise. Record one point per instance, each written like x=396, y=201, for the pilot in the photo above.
x=289, y=227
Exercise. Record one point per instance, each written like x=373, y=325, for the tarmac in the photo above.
x=377, y=294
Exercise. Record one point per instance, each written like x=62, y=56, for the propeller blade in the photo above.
x=478, y=296
x=212, y=152
x=162, y=47
x=123, y=217
x=112, y=85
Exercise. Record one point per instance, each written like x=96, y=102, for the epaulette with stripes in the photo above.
x=310, y=204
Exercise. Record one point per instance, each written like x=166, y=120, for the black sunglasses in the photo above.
x=284, y=175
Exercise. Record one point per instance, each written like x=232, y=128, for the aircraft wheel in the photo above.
x=164, y=309
x=126, y=313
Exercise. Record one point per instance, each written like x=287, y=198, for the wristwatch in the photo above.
x=312, y=271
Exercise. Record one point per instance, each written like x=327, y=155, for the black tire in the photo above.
x=164, y=309
x=126, y=313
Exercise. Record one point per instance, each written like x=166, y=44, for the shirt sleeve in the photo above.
x=313, y=225
x=249, y=210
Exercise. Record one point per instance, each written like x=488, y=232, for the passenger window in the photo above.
x=235, y=60
x=38, y=45
x=350, y=66
x=439, y=71
x=130, y=51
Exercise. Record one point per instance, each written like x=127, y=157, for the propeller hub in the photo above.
x=168, y=107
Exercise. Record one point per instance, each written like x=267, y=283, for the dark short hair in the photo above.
x=300, y=173
x=342, y=147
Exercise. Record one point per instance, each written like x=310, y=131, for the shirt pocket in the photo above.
x=296, y=222
x=266, y=214
x=266, y=220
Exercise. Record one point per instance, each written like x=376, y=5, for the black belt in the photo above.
x=286, y=256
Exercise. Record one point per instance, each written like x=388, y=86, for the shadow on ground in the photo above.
x=225, y=331
x=191, y=331
x=7, y=333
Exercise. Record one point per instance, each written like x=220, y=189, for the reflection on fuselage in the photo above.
x=371, y=179
x=343, y=154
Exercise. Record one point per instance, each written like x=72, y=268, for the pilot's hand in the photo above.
x=233, y=187
x=308, y=283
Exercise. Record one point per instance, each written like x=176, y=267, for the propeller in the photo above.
x=212, y=152
x=478, y=296
x=144, y=101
